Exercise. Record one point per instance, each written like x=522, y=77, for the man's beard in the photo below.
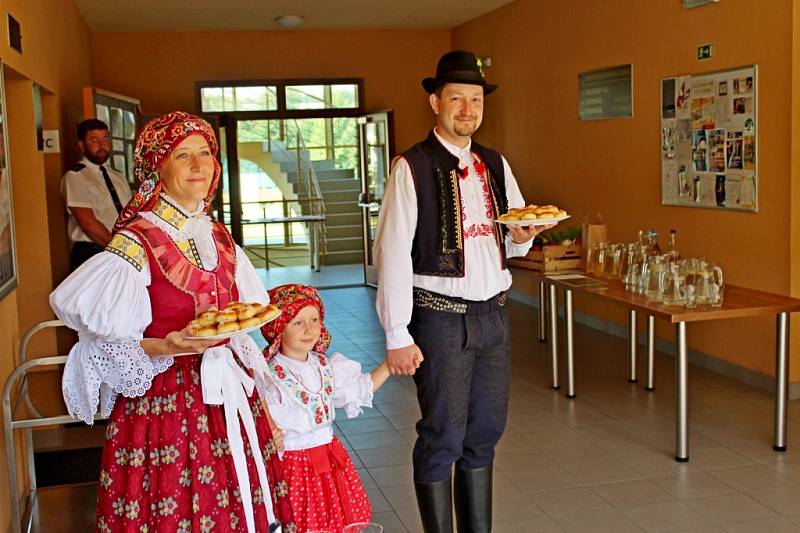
x=465, y=129
x=99, y=157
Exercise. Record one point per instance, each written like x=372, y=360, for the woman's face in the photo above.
x=187, y=173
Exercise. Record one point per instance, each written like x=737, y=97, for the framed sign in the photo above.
x=709, y=132
x=8, y=256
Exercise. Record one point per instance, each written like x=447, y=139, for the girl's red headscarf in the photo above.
x=290, y=299
x=157, y=139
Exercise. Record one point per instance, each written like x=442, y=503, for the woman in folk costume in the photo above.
x=188, y=445
x=304, y=386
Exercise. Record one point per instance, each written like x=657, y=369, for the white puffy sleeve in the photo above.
x=251, y=289
x=353, y=389
x=107, y=303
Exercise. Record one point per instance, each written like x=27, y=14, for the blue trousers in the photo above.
x=462, y=386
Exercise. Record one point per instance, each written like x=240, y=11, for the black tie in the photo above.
x=111, y=190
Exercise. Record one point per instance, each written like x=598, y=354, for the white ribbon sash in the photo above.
x=225, y=383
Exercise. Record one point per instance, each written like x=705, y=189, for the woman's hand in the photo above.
x=176, y=342
x=277, y=437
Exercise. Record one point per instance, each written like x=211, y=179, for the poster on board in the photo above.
x=708, y=140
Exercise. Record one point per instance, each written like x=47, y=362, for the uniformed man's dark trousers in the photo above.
x=462, y=385
x=82, y=252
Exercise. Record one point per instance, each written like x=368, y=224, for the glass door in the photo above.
x=376, y=149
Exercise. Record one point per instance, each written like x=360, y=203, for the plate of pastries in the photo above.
x=533, y=215
x=236, y=317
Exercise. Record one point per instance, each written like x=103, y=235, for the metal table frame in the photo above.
x=17, y=380
x=548, y=327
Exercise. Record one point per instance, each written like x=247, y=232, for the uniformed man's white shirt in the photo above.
x=87, y=188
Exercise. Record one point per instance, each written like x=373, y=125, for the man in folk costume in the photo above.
x=442, y=282
x=188, y=445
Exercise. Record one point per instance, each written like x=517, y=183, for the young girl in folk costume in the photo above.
x=303, y=388
x=188, y=446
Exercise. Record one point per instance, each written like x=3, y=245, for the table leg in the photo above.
x=542, y=312
x=682, y=394
x=569, y=343
x=552, y=301
x=651, y=353
x=632, y=373
x=781, y=382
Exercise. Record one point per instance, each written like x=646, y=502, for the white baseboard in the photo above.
x=726, y=368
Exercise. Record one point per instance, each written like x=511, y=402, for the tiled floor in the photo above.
x=602, y=462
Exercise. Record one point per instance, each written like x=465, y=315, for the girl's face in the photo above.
x=301, y=333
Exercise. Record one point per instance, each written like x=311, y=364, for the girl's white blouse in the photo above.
x=352, y=390
x=107, y=303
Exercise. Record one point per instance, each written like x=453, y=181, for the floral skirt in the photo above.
x=167, y=466
x=324, y=489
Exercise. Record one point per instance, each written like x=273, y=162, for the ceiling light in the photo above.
x=289, y=21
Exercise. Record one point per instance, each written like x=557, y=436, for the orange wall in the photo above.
x=392, y=63
x=56, y=56
x=613, y=166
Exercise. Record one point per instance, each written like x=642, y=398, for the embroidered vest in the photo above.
x=438, y=246
x=318, y=405
x=179, y=289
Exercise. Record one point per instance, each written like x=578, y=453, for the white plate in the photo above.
x=537, y=222
x=230, y=334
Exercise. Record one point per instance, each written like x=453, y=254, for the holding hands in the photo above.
x=404, y=361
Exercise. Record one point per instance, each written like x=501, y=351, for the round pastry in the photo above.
x=561, y=213
x=247, y=322
x=529, y=215
x=226, y=316
x=268, y=313
x=204, y=332
x=235, y=305
x=209, y=318
x=228, y=327
x=249, y=310
x=509, y=217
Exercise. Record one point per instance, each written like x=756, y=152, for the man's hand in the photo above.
x=522, y=234
x=404, y=361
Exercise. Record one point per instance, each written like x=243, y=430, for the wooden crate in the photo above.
x=550, y=259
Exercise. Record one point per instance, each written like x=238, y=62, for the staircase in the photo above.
x=340, y=190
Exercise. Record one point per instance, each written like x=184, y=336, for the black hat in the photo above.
x=458, y=66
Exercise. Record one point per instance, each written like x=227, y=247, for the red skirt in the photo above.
x=167, y=467
x=324, y=488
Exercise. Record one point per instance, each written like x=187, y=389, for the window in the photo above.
x=334, y=96
x=246, y=98
x=329, y=97
x=605, y=93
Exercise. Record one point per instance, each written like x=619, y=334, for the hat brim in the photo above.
x=431, y=84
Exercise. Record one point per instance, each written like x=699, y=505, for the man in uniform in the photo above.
x=442, y=282
x=94, y=193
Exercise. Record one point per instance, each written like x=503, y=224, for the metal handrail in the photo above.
x=19, y=374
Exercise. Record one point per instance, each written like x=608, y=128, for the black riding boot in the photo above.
x=435, y=502
x=473, y=499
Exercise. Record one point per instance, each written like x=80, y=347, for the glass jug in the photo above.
x=674, y=286
x=707, y=276
x=655, y=276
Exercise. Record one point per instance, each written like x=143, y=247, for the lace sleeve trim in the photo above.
x=96, y=373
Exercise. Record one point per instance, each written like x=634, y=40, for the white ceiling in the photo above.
x=255, y=15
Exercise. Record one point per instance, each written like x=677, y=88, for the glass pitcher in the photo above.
x=674, y=286
x=707, y=276
x=654, y=278
x=611, y=265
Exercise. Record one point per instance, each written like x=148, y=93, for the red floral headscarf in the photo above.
x=155, y=142
x=290, y=299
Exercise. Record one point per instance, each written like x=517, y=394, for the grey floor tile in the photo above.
x=751, y=477
x=390, y=521
x=541, y=524
x=391, y=476
x=598, y=521
x=666, y=516
x=378, y=439
x=784, y=499
x=728, y=508
x=764, y=525
x=569, y=501
x=386, y=456
x=632, y=493
x=692, y=485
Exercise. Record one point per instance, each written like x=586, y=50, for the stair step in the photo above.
x=344, y=244
x=340, y=208
x=341, y=219
x=348, y=184
x=344, y=230
x=343, y=258
x=322, y=175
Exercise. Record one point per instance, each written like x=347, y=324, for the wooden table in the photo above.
x=739, y=302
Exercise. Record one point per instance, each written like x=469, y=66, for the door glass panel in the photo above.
x=102, y=113
x=117, y=129
x=339, y=96
x=129, y=126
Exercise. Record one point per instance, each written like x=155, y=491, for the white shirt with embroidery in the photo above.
x=352, y=390
x=397, y=224
x=106, y=301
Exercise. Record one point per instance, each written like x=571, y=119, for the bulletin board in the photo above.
x=709, y=140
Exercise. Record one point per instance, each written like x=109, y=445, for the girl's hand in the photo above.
x=418, y=359
x=277, y=437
